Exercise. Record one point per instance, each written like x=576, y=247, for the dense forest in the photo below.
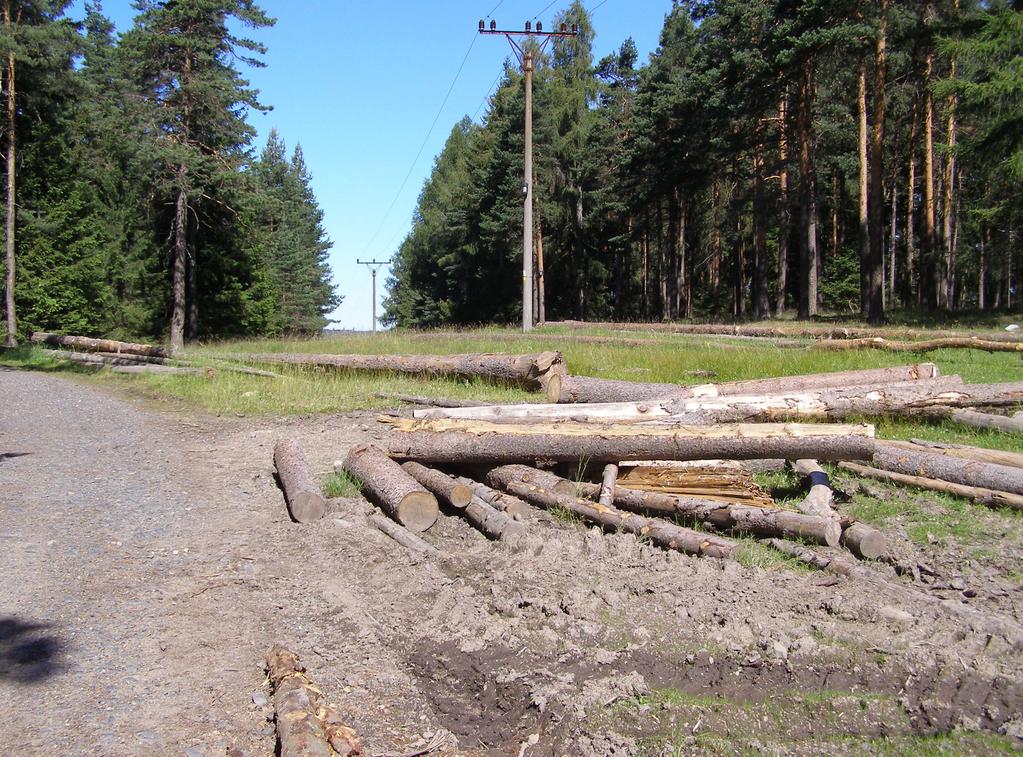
x=135, y=203
x=772, y=156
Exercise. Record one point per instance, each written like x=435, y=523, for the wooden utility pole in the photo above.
x=374, y=266
x=526, y=59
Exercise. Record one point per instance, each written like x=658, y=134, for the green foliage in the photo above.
x=341, y=484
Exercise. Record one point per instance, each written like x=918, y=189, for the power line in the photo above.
x=594, y=9
x=423, y=145
x=545, y=9
x=495, y=8
x=487, y=95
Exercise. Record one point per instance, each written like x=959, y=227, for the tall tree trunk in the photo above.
x=11, y=339
x=192, y=285
x=761, y=300
x=645, y=247
x=662, y=263
x=715, y=244
x=784, y=231
x=875, y=265
x=982, y=268
x=928, y=243
x=861, y=144
x=908, y=293
x=948, y=188
x=808, y=195
x=893, y=234
x=681, y=272
x=739, y=299
x=580, y=252
x=180, y=261
x=540, y=298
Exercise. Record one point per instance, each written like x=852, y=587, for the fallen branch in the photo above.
x=402, y=535
x=415, y=399
x=975, y=419
x=662, y=533
x=307, y=726
x=607, y=484
x=98, y=345
x=977, y=494
x=466, y=442
x=400, y=495
x=302, y=491
x=740, y=518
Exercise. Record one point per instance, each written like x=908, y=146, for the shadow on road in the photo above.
x=27, y=652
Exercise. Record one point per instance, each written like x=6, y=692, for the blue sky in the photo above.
x=359, y=82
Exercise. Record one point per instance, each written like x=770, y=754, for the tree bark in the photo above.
x=784, y=232
x=307, y=726
x=91, y=358
x=807, y=194
x=301, y=489
x=928, y=242
x=1013, y=425
x=875, y=261
x=505, y=503
x=11, y=338
x=403, y=536
x=724, y=515
x=862, y=154
x=948, y=193
x=962, y=451
x=400, y=495
x=453, y=441
x=495, y=524
x=179, y=262
x=862, y=540
x=541, y=370
x=97, y=345
x=956, y=470
x=591, y=389
x=946, y=343
x=607, y=484
x=441, y=484
x=761, y=294
x=808, y=381
x=978, y=494
x=172, y=369
x=663, y=534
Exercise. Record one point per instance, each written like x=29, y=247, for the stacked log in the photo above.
x=739, y=518
x=397, y=493
x=988, y=497
x=468, y=442
x=952, y=469
x=98, y=345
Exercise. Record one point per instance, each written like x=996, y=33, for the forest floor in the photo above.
x=148, y=562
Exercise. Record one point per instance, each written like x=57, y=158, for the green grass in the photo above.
x=340, y=484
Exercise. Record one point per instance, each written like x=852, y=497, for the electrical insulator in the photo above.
x=564, y=28
x=481, y=24
x=575, y=28
x=528, y=26
x=539, y=26
x=493, y=25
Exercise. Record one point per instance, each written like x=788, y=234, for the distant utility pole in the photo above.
x=374, y=266
x=525, y=58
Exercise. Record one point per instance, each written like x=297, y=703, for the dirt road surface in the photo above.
x=147, y=562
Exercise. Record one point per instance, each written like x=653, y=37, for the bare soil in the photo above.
x=148, y=562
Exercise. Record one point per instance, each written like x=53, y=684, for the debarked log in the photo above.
x=441, y=484
x=97, y=345
x=660, y=532
x=468, y=442
x=977, y=494
x=741, y=518
x=955, y=470
x=397, y=493
x=307, y=725
x=302, y=491
x=521, y=370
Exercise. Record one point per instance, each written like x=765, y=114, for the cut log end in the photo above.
x=552, y=387
x=460, y=495
x=307, y=506
x=864, y=541
x=417, y=511
x=833, y=534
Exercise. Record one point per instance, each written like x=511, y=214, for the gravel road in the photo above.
x=106, y=538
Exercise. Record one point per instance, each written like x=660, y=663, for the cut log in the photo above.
x=926, y=397
x=397, y=493
x=467, y=442
x=173, y=370
x=415, y=399
x=307, y=725
x=980, y=454
x=818, y=560
x=403, y=536
x=135, y=359
x=864, y=541
x=495, y=524
x=526, y=371
x=302, y=491
x=607, y=484
x=740, y=518
x=441, y=484
x=946, y=343
x=660, y=532
x=697, y=478
x=872, y=376
x=591, y=389
x=97, y=345
x=83, y=358
x=977, y=494
x=499, y=500
x=955, y=470
x=975, y=419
